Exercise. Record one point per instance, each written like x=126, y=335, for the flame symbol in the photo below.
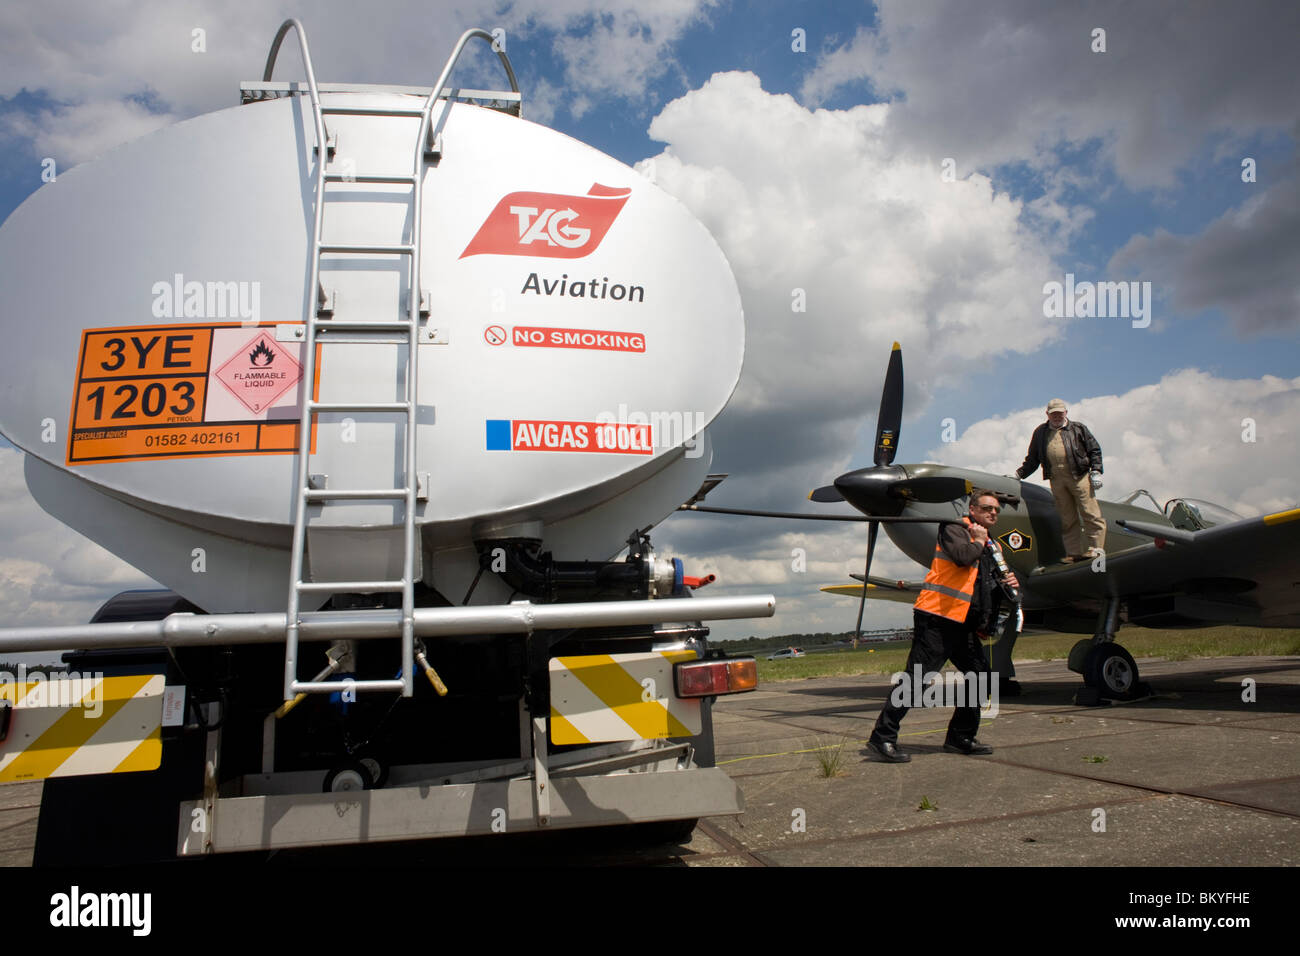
x=261, y=355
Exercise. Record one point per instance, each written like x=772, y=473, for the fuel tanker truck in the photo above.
x=386, y=386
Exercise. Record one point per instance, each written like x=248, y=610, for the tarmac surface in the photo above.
x=1195, y=776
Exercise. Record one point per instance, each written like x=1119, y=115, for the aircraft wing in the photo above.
x=880, y=589
x=1245, y=572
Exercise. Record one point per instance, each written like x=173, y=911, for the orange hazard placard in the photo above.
x=172, y=391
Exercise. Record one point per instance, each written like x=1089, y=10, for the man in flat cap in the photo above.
x=1071, y=462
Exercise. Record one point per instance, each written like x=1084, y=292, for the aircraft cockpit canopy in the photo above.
x=1191, y=514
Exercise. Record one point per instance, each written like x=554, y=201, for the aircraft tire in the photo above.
x=1111, y=670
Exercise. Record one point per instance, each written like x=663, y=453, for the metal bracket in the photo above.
x=422, y=486
x=425, y=303
x=290, y=332
x=433, y=148
x=325, y=301
x=431, y=336
x=331, y=144
x=317, y=482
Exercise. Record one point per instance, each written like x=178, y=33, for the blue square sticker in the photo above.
x=498, y=434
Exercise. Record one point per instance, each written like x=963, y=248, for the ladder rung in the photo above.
x=333, y=325
x=347, y=178
x=371, y=111
x=355, y=338
x=334, y=686
x=405, y=249
x=325, y=494
x=348, y=587
x=359, y=407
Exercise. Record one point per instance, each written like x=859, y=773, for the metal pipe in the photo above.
x=708, y=509
x=197, y=630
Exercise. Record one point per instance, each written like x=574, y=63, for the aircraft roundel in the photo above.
x=1016, y=541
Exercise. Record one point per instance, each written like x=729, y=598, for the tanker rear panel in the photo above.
x=583, y=330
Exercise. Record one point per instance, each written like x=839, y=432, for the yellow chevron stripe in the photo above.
x=563, y=732
x=685, y=654
x=44, y=755
x=621, y=692
x=1282, y=517
x=147, y=756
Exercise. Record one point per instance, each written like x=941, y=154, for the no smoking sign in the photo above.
x=495, y=335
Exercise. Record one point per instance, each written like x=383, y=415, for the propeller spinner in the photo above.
x=883, y=489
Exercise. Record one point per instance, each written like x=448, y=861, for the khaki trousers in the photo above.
x=1074, y=499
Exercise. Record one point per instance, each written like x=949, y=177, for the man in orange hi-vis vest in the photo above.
x=957, y=600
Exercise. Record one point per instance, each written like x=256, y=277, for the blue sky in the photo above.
x=1113, y=165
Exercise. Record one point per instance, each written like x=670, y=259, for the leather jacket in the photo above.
x=1081, y=449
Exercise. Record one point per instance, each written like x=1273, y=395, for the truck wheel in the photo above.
x=378, y=772
x=348, y=777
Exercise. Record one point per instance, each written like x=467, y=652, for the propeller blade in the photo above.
x=826, y=493
x=931, y=488
x=890, y=418
x=866, y=575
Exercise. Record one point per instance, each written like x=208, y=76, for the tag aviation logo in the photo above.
x=548, y=225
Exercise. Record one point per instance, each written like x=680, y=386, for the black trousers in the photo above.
x=935, y=640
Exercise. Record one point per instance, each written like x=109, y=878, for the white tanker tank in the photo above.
x=578, y=332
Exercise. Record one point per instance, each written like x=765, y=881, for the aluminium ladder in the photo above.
x=319, y=318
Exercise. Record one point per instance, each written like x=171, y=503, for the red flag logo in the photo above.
x=548, y=225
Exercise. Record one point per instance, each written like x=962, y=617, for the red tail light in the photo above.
x=712, y=678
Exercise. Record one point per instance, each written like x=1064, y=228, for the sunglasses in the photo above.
x=993, y=508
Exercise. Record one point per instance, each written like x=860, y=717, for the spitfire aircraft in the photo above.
x=1188, y=564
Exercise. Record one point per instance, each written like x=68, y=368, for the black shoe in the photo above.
x=966, y=745
x=888, y=752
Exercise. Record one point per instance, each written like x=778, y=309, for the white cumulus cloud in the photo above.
x=842, y=242
x=1017, y=80
x=1186, y=435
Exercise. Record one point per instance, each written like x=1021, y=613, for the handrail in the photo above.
x=455, y=55
x=275, y=50
x=321, y=142
x=446, y=75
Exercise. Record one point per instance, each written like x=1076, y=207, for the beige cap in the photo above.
x=1056, y=405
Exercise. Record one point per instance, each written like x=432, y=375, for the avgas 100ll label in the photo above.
x=608, y=438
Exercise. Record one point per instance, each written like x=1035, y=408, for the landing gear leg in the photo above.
x=1109, y=671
